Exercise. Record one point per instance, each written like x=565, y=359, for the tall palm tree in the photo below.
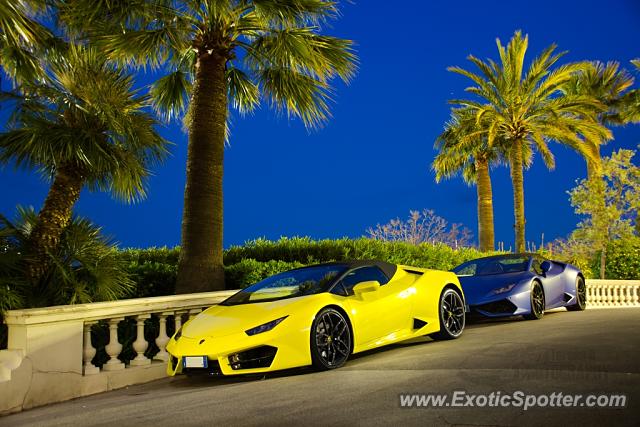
x=529, y=109
x=473, y=159
x=220, y=54
x=85, y=126
x=608, y=84
x=473, y=162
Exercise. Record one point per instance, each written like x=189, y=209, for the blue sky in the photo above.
x=371, y=162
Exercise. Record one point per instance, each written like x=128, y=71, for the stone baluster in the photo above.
x=177, y=318
x=88, y=351
x=620, y=299
x=595, y=295
x=163, y=338
x=605, y=295
x=626, y=296
x=194, y=312
x=114, y=348
x=635, y=295
x=140, y=344
x=612, y=296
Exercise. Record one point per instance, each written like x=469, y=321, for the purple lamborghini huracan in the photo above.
x=520, y=284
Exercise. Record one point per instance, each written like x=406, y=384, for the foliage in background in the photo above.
x=85, y=268
x=83, y=126
x=215, y=57
x=154, y=269
x=422, y=227
x=525, y=108
x=623, y=259
x=613, y=220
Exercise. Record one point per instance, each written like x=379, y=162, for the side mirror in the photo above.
x=546, y=266
x=369, y=286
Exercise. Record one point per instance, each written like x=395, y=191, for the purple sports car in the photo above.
x=520, y=284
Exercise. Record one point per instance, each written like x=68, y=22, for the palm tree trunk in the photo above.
x=52, y=219
x=200, y=267
x=485, y=206
x=517, y=180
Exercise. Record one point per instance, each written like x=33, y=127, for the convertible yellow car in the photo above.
x=319, y=316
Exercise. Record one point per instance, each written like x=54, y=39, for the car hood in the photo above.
x=479, y=288
x=223, y=320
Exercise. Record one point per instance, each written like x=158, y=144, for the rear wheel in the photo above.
x=452, y=320
x=581, y=296
x=537, y=302
x=330, y=340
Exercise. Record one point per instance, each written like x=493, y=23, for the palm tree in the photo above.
x=220, y=54
x=23, y=40
x=631, y=101
x=529, y=109
x=473, y=162
x=608, y=84
x=84, y=126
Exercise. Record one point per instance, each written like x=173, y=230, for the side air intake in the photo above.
x=417, y=323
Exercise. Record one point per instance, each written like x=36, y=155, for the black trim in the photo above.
x=419, y=273
x=503, y=306
x=212, y=370
x=259, y=357
x=418, y=324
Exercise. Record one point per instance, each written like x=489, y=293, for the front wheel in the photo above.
x=330, y=340
x=537, y=302
x=581, y=296
x=452, y=320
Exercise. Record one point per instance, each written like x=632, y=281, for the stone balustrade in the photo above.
x=50, y=355
x=613, y=293
x=50, y=352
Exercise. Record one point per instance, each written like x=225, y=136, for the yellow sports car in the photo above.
x=318, y=315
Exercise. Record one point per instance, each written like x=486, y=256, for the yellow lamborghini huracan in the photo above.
x=318, y=316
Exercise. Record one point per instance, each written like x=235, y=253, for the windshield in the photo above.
x=493, y=265
x=294, y=283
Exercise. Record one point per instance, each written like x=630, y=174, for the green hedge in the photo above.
x=623, y=259
x=154, y=269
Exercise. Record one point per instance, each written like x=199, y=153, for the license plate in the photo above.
x=195, y=361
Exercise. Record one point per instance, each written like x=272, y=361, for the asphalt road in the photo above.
x=591, y=352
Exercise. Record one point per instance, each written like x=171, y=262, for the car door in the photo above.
x=377, y=315
x=552, y=282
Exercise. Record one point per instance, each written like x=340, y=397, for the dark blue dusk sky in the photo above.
x=371, y=162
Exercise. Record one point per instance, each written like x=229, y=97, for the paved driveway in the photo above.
x=596, y=351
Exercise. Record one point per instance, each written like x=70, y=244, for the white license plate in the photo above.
x=194, y=361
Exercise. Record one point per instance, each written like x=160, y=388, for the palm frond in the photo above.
x=170, y=94
x=298, y=94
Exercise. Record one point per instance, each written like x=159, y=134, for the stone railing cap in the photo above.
x=111, y=309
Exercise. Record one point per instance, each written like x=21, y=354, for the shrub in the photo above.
x=154, y=270
x=623, y=259
x=308, y=251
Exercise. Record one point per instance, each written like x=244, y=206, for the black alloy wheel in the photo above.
x=330, y=340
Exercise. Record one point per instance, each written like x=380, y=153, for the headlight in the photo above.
x=503, y=289
x=264, y=327
x=178, y=334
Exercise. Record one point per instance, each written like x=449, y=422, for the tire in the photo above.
x=330, y=340
x=451, y=314
x=537, y=302
x=581, y=296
